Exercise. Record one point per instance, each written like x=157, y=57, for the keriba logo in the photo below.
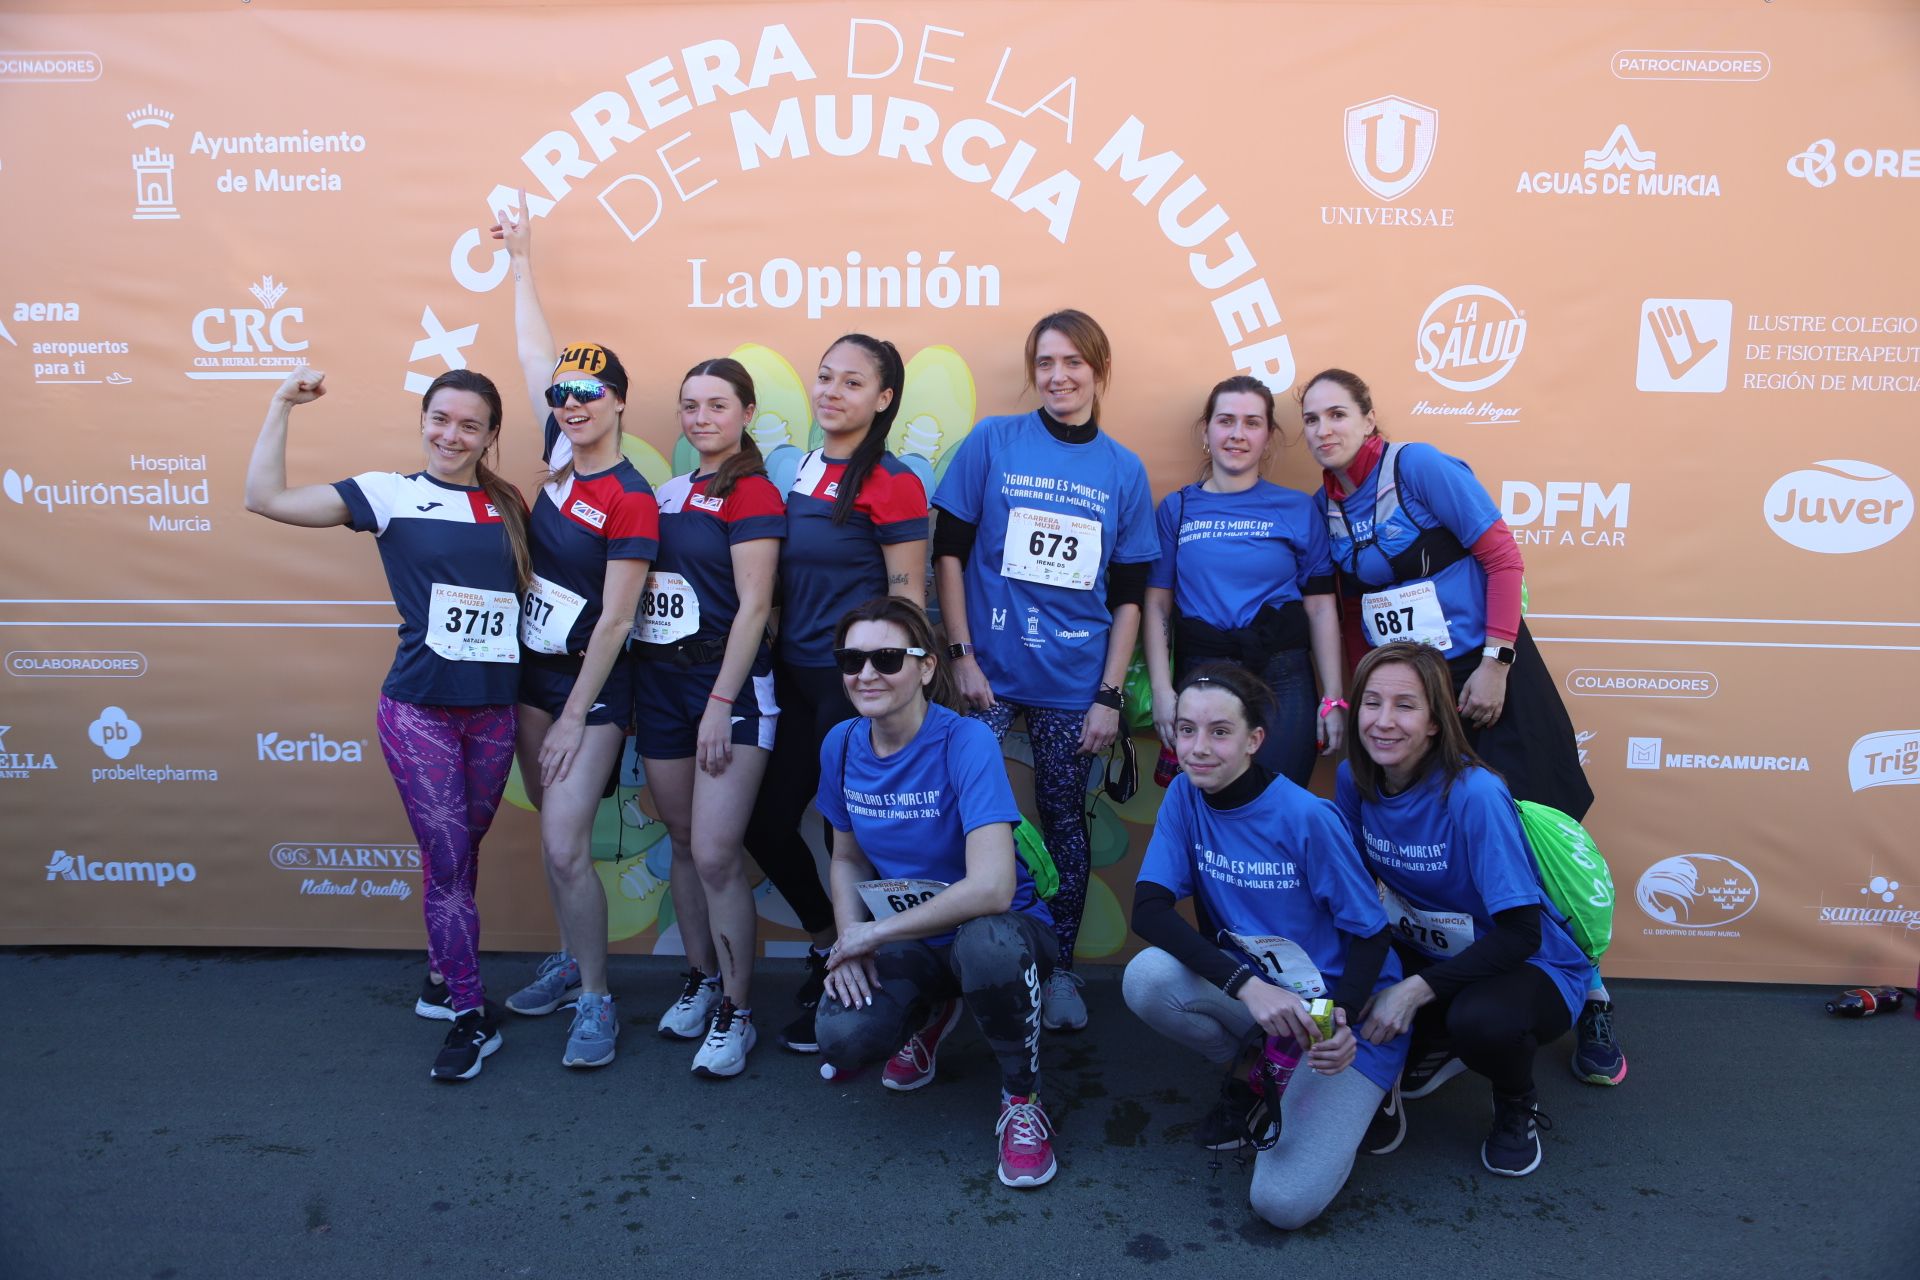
x=314, y=748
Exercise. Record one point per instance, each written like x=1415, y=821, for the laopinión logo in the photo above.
x=312, y=748
x=83, y=870
x=1390, y=144
x=1618, y=167
x=1839, y=506
x=1697, y=894
x=1877, y=903
x=116, y=734
x=1823, y=164
x=249, y=343
x=1468, y=339
x=22, y=764
x=1651, y=753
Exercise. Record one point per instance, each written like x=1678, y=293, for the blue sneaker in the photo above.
x=595, y=1028
x=1597, y=1056
x=557, y=982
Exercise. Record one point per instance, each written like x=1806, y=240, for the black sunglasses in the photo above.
x=583, y=390
x=886, y=661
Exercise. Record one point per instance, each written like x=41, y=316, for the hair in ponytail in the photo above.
x=504, y=497
x=749, y=460
x=892, y=373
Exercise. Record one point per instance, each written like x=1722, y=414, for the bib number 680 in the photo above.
x=901, y=901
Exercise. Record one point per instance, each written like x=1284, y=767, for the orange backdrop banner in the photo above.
x=1642, y=266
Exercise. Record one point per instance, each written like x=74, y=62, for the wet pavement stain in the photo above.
x=1126, y=1122
x=1148, y=1248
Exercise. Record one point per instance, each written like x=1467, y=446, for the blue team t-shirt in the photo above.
x=911, y=811
x=433, y=532
x=581, y=523
x=1437, y=490
x=1226, y=556
x=1284, y=864
x=1462, y=852
x=697, y=533
x=1036, y=589
x=827, y=569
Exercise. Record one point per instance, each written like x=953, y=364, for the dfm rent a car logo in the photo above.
x=115, y=733
x=1822, y=163
x=314, y=748
x=1469, y=338
x=67, y=866
x=1839, y=506
x=1890, y=758
x=1595, y=515
x=1697, y=891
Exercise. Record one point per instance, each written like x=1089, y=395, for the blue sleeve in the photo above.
x=1161, y=574
x=361, y=517
x=963, y=487
x=1335, y=874
x=830, y=800
x=1498, y=858
x=1166, y=861
x=1139, y=543
x=1445, y=485
x=979, y=776
x=1315, y=559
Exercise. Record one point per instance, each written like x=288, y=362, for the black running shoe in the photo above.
x=1512, y=1148
x=1430, y=1064
x=1239, y=1119
x=434, y=1001
x=1389, y=1126
x=798, y=1035
x=475, y=1035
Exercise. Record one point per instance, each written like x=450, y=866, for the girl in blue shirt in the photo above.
x=1492, y=971
x=1243, y=575
x=1290, y=915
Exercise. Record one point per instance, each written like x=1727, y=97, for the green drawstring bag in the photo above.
x=1137, y=717
x=1033, y=852
x=1573, y=873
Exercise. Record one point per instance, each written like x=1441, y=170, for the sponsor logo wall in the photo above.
x=1683, y=359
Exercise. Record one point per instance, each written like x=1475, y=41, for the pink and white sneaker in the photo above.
x=912, y=1067
x=1026, y=1146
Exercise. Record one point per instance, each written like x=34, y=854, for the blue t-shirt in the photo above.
x=1037, y=504
x=1461, y=853
x=911, y=811
x=1284, y=865
x=583, y=522
x=827, y=569
x=1226, y=556
x=697, y=533
x=432, y=532
x=1436, y=491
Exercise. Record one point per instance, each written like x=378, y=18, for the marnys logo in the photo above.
x=116, y=734
x=1890, y=758
x=248, y=343
x=1651, y=753
x=1599, y=512
x=67, y=866
x=24, y=764
x=1619, y=167
x=1697, y=893
x=304, y=855
x=1684, y=344
x=314, y=748
x=1468, y=339
x=1817, y=166
x=1389, y=143
x=1839, y=506
x=1883, y=906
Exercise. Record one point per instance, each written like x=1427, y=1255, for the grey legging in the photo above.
x=1323, y=1118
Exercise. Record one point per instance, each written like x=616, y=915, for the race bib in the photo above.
x=1052, y=549
x=1438, y=933
x=1411, y=612
x=669, y=610
x=1284, y=962
x=890, y=897
x=467, y=625
x=547, y=618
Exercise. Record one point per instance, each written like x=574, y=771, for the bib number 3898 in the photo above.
x=469, y=625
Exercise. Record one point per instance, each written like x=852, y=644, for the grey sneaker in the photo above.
x=729, y=1040
x=688, y=1017
x=1061, y=1008
x=557, y=982
x=595, y=1027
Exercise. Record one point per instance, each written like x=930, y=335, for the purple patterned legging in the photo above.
x=450, y=765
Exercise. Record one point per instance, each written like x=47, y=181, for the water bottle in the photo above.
x=1277, y=1062
x=1861, y=1002
x=1165, y=768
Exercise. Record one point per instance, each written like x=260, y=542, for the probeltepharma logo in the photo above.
x=249, y=343
x=1696, y=894
x=313, y=748
x=1651, y=753
x=1823, y=164
x=116, y=734
x=83, y=870
x=1839, y=506
x=1390, y=143
x=1684, y=344
x=1566, y=513
x=1618, y=167
x=1468, y=339
x=1890, y=758
x=163, y=499
x=16, y=765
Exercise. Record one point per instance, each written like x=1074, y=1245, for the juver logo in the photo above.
x=1684, y=344
x=1469, y=338
x=1390, y=143
x=115, y=733
x=1887, y=759
x=1697, y=891
x=1839, y=506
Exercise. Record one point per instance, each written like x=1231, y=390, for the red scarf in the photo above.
x=1360, y=468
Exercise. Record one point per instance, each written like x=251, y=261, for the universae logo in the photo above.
x=1390, y=143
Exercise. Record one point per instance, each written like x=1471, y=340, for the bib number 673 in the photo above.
x=1053, y=546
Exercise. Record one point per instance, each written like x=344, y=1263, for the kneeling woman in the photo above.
x=1275, y=870
x=934, y=911
x=1492, y=970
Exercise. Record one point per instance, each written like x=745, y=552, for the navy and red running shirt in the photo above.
x=827, y=568
x=578, y=525
x=691, y=594
x=430, y=533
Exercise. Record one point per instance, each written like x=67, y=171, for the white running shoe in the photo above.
x=687, y=1019
x=729, y=1040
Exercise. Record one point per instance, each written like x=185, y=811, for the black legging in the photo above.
x=812, y=700
x=1532, y=744
x=1495, y=1025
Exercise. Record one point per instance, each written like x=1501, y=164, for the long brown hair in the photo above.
x=748, y=461
x=1087, y=337
x=503, y=496
x=912, y=619
x=1240, y=384
x=1447, y=750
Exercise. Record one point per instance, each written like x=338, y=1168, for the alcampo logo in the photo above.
x=115, y=733
x=1469, y=338
x=1839, y=506
x=67, y=866
x=1890, y=758
x=1697, y=891
x=314, y=748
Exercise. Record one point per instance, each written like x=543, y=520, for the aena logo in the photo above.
x=317, y=748
x=115, y=733
x=1697, y=891
x=1839, y=506
x=1469, y=338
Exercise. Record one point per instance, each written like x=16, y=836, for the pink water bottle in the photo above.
x=1276, y=1066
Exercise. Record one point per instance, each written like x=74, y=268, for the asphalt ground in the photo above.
x=186, y=1114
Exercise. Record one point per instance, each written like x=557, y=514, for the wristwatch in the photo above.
x=960, y=650
x=1500, y=653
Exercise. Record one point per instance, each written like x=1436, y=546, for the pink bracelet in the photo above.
x=1328, y=704
x=717, y=698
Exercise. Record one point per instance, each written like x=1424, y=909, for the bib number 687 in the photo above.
x=1393, y=622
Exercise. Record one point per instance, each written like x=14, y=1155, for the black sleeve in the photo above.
x=1155, y=920
x=1364, y=958
x=1318, y=585
x=1127, y=584
x=953, y=536
x=1513, y=941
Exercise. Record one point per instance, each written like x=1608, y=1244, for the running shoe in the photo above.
x=595, y=1027
x=912, y=1067
x=1240, y=1119
x=556, y=983
x=1026, y=1143
x=1388, y=1129
x=1597, y=1056
x=434, y=1001
x=798, y=1035
x=1061, y=1008
x=1512, y=1148
x=688, y=1017
x=475, y=1035
x=1430, y=1064
x=729, y=1040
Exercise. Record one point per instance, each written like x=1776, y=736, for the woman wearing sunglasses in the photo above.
x=1040, y=559
x=935, y=914
x=595, y=530
x=453, y=542
x=704, y=699
x=856, y=529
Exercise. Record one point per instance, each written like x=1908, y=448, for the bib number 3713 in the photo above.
x=469, y=625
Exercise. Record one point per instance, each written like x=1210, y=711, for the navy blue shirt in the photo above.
x=577, y=526
x=827, y=569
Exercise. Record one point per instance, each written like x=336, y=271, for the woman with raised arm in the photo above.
x=453, y=542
